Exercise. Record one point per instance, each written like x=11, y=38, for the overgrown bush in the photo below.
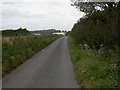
x=99, y=28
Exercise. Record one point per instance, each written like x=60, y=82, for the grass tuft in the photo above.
x=92, y=69
x=16, y=49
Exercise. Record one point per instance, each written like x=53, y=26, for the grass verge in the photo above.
x=19, y=48
x=92, y=69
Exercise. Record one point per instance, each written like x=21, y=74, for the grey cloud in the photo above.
x=42, y=15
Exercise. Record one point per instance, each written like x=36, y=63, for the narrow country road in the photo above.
x=49, y=68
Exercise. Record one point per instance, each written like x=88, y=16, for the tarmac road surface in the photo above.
x=49, y=68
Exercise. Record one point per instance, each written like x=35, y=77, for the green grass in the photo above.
x=92, y=69
x=19, y=48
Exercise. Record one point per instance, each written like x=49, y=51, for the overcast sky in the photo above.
x=38, y=15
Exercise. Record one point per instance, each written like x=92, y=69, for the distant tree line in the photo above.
x=17, y=32
x=99, y=26
x=24, y=31
x=46, y=32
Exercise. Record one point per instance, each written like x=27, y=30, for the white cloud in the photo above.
x=39, y=15
x=34, y=0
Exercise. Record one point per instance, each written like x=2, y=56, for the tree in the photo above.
x=91, y=6
x=99, y=26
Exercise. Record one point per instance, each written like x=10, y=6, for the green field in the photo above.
x=94, y=69
x=16, y=49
